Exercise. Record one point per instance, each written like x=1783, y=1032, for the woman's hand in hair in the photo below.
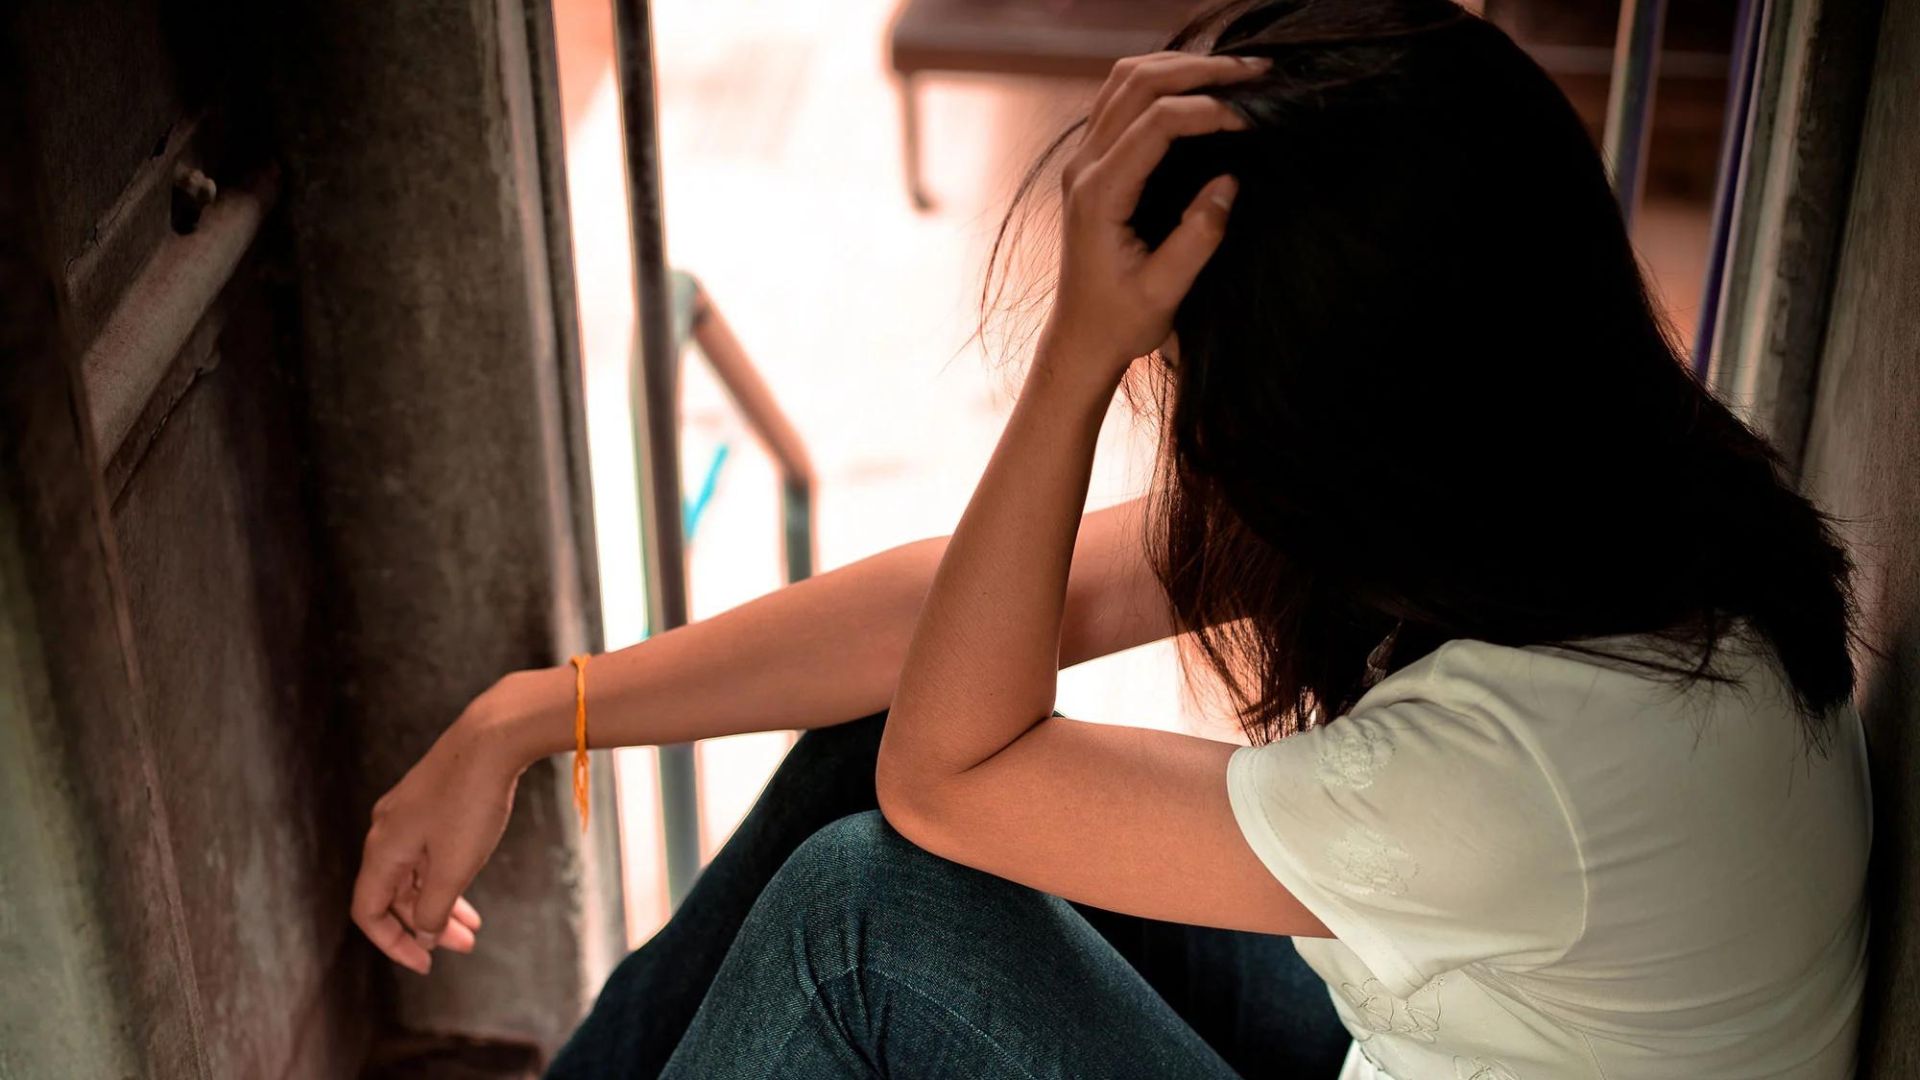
x=1116, y=298
x=975, y=765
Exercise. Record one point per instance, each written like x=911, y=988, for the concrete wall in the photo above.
x=95, y=982
x=174, y=841
x=248, y=743
x=288, y=478
x=1812, y=77
x=448, y=487
x=1863, y=463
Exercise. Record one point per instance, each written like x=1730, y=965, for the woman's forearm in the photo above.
x=980, y=675
x=821, y=652
x=981, y=668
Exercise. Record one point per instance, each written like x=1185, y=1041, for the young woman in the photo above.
x=1545, y=672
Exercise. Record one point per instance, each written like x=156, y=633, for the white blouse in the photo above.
x=1539, y=864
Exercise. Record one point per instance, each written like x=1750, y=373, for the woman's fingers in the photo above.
x=466, y=913
x=453, y=858
x=1151, y=78
x=1170, y=270
x=1118, y=74
x=458, y=936
x=383, y=878
x=1116, y=299
x=1110, y=188
x=459, y=933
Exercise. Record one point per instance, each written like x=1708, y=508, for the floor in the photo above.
x=781, y=165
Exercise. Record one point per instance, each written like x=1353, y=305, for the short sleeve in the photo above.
x=1425, y=838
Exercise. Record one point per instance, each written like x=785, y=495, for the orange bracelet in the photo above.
x=581, y=774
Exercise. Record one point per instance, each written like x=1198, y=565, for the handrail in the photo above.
x=1636, y=73
x=727, y=359
x=670, y=308
x=1750, y=18
x=654, y=396
x=695, y=320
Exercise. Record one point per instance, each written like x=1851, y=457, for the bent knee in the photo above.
x=859, y=866
x=841, y=880
x=850, y=851
x=857, y=889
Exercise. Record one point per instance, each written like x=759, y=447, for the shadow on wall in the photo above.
x=1891, y=694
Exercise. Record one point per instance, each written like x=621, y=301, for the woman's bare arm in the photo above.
x=823, y=651
x=973, y=766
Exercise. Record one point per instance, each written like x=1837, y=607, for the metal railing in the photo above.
x=672, y=310
x=1629, y=123
x=1636, y=74
x=697, y=322
x=1736, y=133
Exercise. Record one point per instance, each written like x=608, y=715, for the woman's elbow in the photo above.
x=912, y=803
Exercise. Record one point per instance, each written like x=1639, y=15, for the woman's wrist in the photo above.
x=526, y=716
x=1066, y=376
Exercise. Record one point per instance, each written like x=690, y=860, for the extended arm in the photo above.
x=821, y=652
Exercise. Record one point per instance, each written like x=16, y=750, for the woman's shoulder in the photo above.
x=1621, y=740
x=1637, y=676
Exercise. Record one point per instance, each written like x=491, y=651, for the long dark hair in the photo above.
x=1420, y=393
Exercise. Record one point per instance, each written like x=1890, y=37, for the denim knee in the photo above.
x=853, y=839
x=827, y=901
x=856, y=875
x=847, y=859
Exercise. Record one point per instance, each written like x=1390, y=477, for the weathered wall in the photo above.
x=1863, y=464
x=253, y=757
x=195, y=862
x=93, y=981
x=1812, y=78
x=446, y=482
x=283, y=488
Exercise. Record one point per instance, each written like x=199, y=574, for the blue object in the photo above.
x=692, y=511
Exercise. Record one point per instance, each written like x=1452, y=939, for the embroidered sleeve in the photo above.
x=1424, y=838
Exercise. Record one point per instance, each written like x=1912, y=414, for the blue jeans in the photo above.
x=820, y=943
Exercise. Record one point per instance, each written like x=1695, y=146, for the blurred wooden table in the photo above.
x=1056, y=38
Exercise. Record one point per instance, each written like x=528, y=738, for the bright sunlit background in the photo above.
x=781, y=155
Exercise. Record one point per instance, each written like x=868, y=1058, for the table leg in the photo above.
x=910, y=141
